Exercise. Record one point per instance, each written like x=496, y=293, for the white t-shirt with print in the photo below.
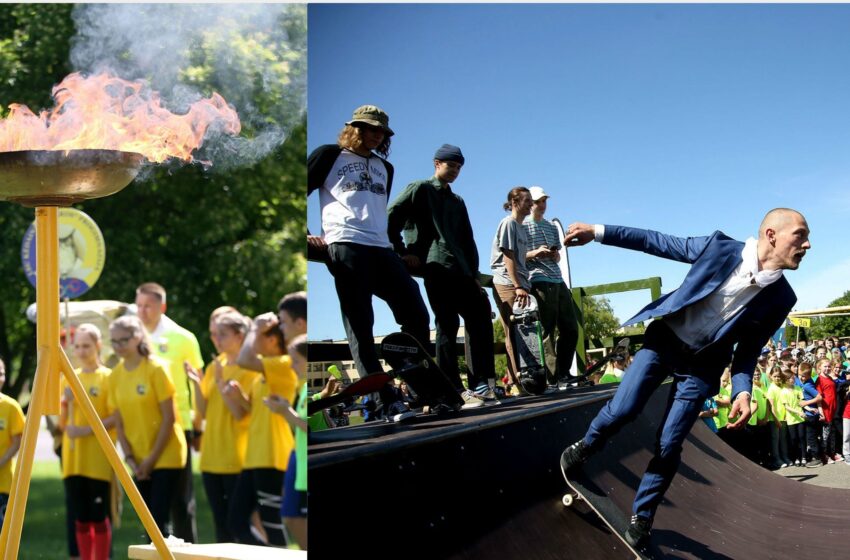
x=354, y=201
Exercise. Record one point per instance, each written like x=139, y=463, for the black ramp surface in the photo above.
x=721, y=505
x=486, y=484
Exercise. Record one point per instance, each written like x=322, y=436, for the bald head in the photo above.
x=779, y=218
x=783, y=239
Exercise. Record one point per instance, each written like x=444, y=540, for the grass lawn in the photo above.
x=44, y=533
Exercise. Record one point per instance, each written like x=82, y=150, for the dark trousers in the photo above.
x=814, y=433
x=797, y=441
x=219, y=489
x=257, y=489
x=89, y=496
x=694, y=379
x=361, y=272
x=557, y=312
x=453, y=295
x=157, y=492
x=183, y=506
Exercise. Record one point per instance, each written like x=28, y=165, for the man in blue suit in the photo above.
x=732, y=300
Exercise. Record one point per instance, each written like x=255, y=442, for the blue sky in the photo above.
x=681, y=118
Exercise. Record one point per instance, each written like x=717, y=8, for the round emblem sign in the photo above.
x=82, y=253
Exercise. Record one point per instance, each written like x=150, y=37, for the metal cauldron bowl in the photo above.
x=64, y=177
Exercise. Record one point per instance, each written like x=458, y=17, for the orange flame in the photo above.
x=107, y=113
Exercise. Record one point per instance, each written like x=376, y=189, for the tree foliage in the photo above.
x=211, y=238
x=831, y=326
x=599, y=319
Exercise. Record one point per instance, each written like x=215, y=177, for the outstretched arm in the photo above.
x=683, y=249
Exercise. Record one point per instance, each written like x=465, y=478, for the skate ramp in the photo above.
x=486, y=484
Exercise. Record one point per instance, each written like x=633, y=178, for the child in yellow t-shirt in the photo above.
x=142, y=395
x=85, y=470
x=270, y=440
x=778, y=428
x=220, y=401
x=11, y=428
x=794, y=418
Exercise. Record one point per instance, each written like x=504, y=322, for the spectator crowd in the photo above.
x=244, y=412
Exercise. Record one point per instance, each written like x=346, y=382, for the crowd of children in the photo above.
x=800, y=407
x=249, y=398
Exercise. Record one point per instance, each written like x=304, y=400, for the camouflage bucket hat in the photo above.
x=372, y=115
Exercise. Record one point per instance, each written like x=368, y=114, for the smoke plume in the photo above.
x=254, y=55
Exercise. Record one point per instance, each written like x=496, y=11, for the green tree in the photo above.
x=832, y=326
x=599, y=319
x=211, y=238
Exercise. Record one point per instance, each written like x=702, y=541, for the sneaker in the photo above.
x=470, y=400
x=399, y=412
x=837, y=457
x=440, y=409
x=830, y=460
x=798, y=463
x=814, y=463
x=563, y=383
x=783, y=465
x=486, y=394
x=574, y=455
x=637, y=535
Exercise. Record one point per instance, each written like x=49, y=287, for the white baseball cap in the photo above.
x=537, y=193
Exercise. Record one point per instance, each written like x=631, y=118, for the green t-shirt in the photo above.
x=301, y=443
x=791, y=399
x=774, y=393
x=722, y=417
x=761, y=403
x=176, y=345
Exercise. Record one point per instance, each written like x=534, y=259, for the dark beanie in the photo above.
x=447, y=152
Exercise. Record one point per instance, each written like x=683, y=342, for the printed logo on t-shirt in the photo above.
x=163, y=345
x=2, y=423
x=141, y=389
x=94, y=390
x=361, y=177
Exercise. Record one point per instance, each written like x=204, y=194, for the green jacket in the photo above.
x=436, y=227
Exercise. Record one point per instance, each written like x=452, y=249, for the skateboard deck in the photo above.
x=426, y=380
x=614, y=518
x=621, y=347
x=363, y=386
x=530, y=354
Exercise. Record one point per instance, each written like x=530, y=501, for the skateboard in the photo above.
x=583, y=489
x=370, y=384
x=621, y=347
x=428, y=383
x=529, y=351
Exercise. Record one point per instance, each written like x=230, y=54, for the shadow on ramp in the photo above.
x=486, y=484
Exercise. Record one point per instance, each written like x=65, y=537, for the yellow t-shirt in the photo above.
x=791, y=397
x=137, y=395
x=774, y=393
x=722, y=417
x=270, y=440
x=83, y=456
x=11, y=424
x=225, y=438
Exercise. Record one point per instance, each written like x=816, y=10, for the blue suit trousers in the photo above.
x=694, y=379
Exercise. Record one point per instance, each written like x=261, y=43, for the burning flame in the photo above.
x=105, y=112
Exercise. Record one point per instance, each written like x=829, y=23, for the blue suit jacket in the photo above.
x=712, y=259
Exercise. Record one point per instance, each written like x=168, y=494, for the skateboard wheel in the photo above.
x=567, y=500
